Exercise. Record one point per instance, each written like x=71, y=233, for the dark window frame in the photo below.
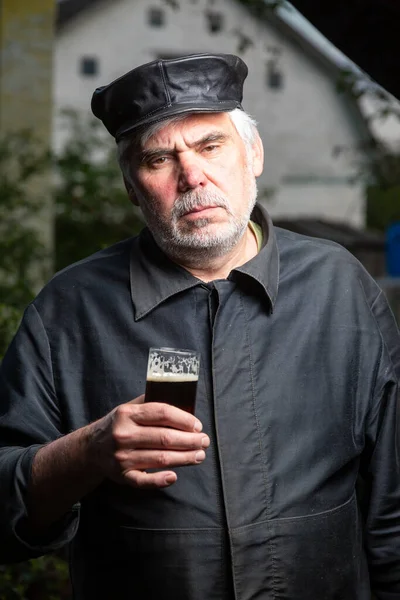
x=275, y=78
x=215, y=21
x=89, y=66
x=156, y=17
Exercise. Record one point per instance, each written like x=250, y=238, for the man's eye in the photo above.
x=158, y=161
x=210, y=148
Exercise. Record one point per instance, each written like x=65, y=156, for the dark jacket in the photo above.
x=298, y=392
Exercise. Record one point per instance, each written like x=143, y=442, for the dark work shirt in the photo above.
x=300, y=362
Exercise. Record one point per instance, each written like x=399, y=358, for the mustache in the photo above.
x=196, y=199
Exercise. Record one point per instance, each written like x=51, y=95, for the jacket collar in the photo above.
x=154, y=277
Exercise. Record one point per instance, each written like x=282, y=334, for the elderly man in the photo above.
x=255, y=496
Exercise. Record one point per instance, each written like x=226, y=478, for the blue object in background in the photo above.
x=393, y=250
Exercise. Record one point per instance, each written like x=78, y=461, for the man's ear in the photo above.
x=258, y=156
x=131, y=192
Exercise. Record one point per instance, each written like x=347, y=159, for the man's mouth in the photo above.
x=196, y=210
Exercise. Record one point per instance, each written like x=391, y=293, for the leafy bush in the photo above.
x=92, y=207
x=44, y=578
x=383, y=206
x=21, y=250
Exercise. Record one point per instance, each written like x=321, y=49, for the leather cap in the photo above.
x=164, y=88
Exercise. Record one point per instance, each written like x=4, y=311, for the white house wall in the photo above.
x=300, y=124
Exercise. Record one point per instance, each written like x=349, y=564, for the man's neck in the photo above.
x=220, y=267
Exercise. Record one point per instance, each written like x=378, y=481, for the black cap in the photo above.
x=163, y=88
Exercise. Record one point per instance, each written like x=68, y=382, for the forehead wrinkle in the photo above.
x=212, y=135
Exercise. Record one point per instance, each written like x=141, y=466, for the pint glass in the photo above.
x=172, y=376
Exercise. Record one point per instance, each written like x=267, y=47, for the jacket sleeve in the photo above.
x=29, y=418
x=381, y=468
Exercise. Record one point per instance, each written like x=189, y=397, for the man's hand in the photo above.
x=137, y=436
x=122, y=445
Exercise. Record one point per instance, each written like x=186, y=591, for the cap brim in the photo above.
x=171, y=111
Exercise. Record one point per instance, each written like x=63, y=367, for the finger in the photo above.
x=158, y=413
x=156, y=459
x=143, y=480
x=158, y=438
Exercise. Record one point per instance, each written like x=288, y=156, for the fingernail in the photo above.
x=200, y=455
x=205, y=442
x=198, y=426
x=170, y=479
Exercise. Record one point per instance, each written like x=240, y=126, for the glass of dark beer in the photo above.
x=172, y=376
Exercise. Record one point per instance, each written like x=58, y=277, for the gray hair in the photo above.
x=244, y=124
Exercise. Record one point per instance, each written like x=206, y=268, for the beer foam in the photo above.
x=172, y=377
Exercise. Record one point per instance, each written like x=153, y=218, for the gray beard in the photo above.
x=186, y=243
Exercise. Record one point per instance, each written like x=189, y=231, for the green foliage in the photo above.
x=20, y=245
x=91, y=203
x=21, y=249
x=383, y=194
x=92, y=210
x=383, y=206
x=377, y=166
x=44, y=578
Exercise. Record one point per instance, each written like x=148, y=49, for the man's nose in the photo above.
x=190, y=175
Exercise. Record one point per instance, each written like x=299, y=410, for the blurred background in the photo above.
x=331, y=137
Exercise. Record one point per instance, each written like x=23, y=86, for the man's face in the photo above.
x=195, y=184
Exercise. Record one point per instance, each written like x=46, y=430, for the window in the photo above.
x=274, y=76
x=89, y=66
x=156, y=17
x=215, y=21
